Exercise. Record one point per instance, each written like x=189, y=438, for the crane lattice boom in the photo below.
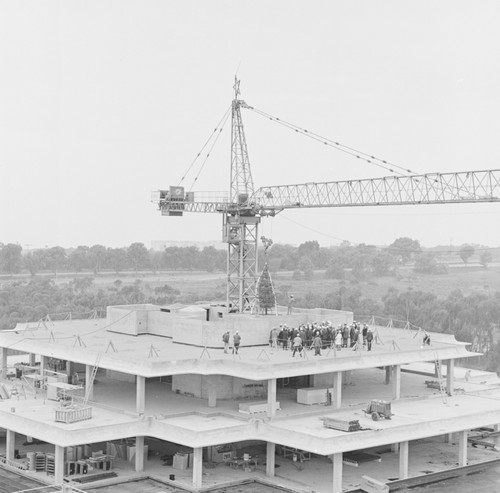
x=434, y=188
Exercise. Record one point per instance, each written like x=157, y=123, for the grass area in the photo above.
x=201, y=284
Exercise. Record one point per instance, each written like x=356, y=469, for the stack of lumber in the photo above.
x=341, y=424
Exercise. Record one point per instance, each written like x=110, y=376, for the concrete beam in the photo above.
x=10, y=444
x=403, y=460
x=140, y=399
x=88, y=383
x=58, y=465
x=462, y=448
x=270, y=459
x=3, y=362
x=197, y=466
x=337, y=473
x=337, y=390
x=450, y=376
x=271, y=397
x=396, y=382
x=139, y=454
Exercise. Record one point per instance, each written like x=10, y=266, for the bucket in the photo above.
x=172, y=477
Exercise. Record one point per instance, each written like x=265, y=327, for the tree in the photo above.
x=138, y=255
x=485, y=258
x=306, y=268
x=55, y=258
x=382, y=263
x=78, y=258
x=404, y=248
x=265, y=290
x=32, y=262
x=466, y=253
x=426, y=263
x=96, y=256
x=10, y=258
x=116, y=259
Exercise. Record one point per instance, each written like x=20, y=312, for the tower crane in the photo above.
x=244, y=207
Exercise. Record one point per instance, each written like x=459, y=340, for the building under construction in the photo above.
x=150, y=392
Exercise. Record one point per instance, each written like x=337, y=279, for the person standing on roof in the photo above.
x=317, y=344
x=236, y=342
x=369, y=338
x=225, y=340
x=297, y=345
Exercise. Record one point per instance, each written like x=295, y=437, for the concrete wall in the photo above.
x=139, y=319
x=323, y=380
x=189, y=325
x=160, y=324
x=227, y=387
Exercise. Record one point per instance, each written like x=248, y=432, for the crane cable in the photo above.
x=218, y=128
x=381, y=163
x=226, y=116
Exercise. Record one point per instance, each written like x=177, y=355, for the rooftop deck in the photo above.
x=150, y=356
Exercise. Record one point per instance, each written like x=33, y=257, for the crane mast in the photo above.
x=240, y=222
x=243, y=208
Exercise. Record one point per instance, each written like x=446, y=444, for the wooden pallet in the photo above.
x=341, y=424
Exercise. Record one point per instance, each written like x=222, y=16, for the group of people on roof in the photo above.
x=321, y=335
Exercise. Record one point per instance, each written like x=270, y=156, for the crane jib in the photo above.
x=448, y=188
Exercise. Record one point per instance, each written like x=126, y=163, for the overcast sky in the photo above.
x=102, y=102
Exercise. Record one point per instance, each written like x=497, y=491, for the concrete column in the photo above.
x=403, y=460
x=59, y=465
x=212, y=392
x=140, y=400
x=139, y=454
x=337, y=473
x=270, y=459
x=10, y=444
x=396, y=382
x=387, y=375
x=43, y=363
x=271, y=397
x=337, y=390
x=3, y=363
x=450, y=376
x=89, y=386
x=32, y=359
x=496, y=439
x=462, y=448
x=69, y=369
x=197, y=466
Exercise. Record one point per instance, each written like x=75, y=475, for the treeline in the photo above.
x=362, y=261
x=98, y=258
x=365, y=261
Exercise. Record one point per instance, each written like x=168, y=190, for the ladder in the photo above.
x=90, y=383
x=442, y=386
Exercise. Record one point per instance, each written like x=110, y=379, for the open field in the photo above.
x=205, y=285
